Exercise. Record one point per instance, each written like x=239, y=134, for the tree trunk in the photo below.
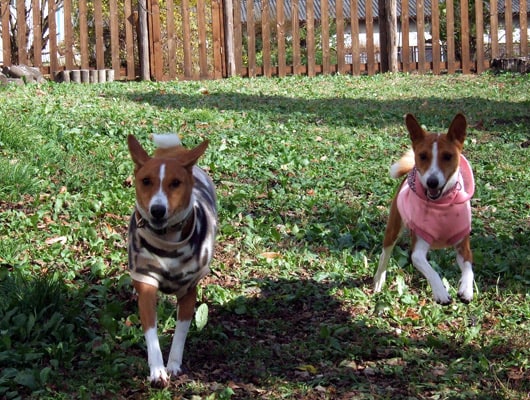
x=144, y=41
x=388, y=35
x=392, y=35
x=229, y=35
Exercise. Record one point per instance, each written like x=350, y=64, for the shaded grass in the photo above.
x=301, y=170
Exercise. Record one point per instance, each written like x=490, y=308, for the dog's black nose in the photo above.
x=158, y=211
x=432, y=182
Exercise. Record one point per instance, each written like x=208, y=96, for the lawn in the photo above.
x=301, y=168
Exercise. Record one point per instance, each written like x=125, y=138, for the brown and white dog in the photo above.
x=171, y=240
x=433, y=202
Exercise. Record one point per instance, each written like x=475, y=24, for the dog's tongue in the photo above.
x=433, y=193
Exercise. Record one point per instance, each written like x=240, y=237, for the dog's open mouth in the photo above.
x=434, y=194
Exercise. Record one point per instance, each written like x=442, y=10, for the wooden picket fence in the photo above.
x=213, y=39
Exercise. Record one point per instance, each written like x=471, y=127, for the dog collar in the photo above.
x=141, y=223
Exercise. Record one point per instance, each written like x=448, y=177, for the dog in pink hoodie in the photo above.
x=433, y=202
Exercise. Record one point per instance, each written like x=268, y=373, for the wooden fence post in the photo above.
x=143, y=41
x=229, y=34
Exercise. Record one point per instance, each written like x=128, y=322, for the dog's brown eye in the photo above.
x=447, y=156
x=423, y=156
x=146, y=181
x=175, y=183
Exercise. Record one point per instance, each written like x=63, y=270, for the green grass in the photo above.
x=301, y=168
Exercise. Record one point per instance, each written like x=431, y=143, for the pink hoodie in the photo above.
x=443, y=222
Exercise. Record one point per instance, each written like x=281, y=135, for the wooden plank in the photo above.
x=203, y=55
x=68, y=35
x=464, y=35
x=21, y=32
x=37, y=34
x=508, y=24
x=251, y=37
x=238, y=37
x=129, y=39
x=100, y=45
x=523, y=25
x=405, y=30
x=149, y=37
x=156, y=43
x=355, y=48
x=450, y=22
x=341, y=55
x=296, y=36
x=6, y=38
x=114, y=38
x=479, y=24
x=52, y=26
x=494, y=27
x=266, y=38
x=171, y=40
x=280, y=15
x=324, y=27
x=420, y=23
x=370, y=51
x=219, y=67
x=435, y=33
x=186, y=40
x=83, y=34
x=310, y=39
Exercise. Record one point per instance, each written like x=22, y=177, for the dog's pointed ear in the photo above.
x=457, y=129
x=138, y=154
x=415, y=130
x=189, y=159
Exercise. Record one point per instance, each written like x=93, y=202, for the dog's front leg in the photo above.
x=186, y=308
x=147, y=297
x=419, y=260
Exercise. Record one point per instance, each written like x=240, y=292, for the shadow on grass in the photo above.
x=62, y=337
x=359, y=110
x=300, y=336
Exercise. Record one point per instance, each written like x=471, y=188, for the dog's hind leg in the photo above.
x=393, y=231
x=186, y=308
x=147, y=298
x=464, y=258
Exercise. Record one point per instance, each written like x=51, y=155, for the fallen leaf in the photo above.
x=56, y=239
x=270, y=255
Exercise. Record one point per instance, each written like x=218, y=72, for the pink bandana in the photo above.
x=442, y=222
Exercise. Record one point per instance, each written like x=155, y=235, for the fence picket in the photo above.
x=523, y=28
x=464, y=35
x=261, y=37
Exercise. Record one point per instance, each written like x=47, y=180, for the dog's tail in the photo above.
x=403, y=166
x=166, y=140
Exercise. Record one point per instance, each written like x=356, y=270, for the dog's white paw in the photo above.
x=173, y=368
x=159, y=377
x=441, y=296
x=465, y=291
